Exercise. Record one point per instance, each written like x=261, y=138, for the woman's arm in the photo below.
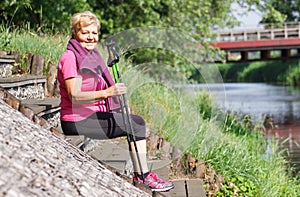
x=73, y=87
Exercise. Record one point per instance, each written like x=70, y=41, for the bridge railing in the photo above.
x=266, y=31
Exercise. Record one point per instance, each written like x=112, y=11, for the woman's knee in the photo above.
x=68, y=128
x=138, y=120
x=139, y=127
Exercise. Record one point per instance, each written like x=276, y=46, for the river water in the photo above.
x=281, y=104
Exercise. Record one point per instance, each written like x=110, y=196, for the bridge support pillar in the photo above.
x=285, y=53
x=227, y=55
x=244, y=56
x=265, y=54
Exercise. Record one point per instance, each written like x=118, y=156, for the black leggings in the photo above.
x=105, y=125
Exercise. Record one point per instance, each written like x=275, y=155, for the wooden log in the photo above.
x=37, y=65
x=51, y=80
x=29, y=61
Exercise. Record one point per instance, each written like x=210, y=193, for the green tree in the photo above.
x=10, y=9
x=41, y=15
x=194, y=18
x=273, y=18
x=290, y=8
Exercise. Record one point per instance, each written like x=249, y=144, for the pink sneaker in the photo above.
x=155, y=183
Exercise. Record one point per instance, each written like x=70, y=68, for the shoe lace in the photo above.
x=155, y=177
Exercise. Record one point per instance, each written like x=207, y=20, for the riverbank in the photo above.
x=276, y=108
x=234, y=146
x=285, y=72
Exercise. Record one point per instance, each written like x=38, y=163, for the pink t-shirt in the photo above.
x=67, y=68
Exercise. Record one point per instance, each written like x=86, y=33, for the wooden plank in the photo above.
x=195, y=188
x=184, y=188
x=178, y=191
x=114, y=153
x=160, y=167
x=6, y=60
x=41, y=107
x=10, y=82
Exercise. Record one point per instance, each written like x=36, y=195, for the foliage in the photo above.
x=290, y=8
x=273, y=18
x=238, y=186
x=250, y=164
x=157, y=103
x=5, y=36
x=271, y=14
x=205, y=105
x=193, y=16
x=167, y=64
x=279, y=71
x=230, y=71
x=39, y=15
x=233, y=124
x=236, y=150
x=270, y=71
x=50, y=47
x=293, y=76
x=196, y=17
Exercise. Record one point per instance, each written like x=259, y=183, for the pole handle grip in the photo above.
x=113, y=57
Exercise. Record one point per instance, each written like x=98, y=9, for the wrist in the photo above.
x=104, y=94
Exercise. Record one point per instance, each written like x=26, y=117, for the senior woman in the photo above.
x=88, y=97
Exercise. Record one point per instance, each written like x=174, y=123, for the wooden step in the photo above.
x=7, y=60
x=22, y=80
x=184, y=188
x=42, y=106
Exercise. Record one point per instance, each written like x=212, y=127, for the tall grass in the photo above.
x=244, y=151
x=189, y=121
x=49, y=46
x=293, y=76
x=234, y=147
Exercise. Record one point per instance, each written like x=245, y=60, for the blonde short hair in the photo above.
x=83, y=19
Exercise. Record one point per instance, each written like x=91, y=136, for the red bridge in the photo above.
x=261, y=43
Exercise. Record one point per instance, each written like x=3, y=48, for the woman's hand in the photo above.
x=116, y=90
x=73, y=86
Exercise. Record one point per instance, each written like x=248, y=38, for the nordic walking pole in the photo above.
x=113, y=60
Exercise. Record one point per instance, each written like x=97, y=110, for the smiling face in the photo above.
x=88, y=36
x=85, y=27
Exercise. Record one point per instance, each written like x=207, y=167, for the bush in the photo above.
x=293, y=76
